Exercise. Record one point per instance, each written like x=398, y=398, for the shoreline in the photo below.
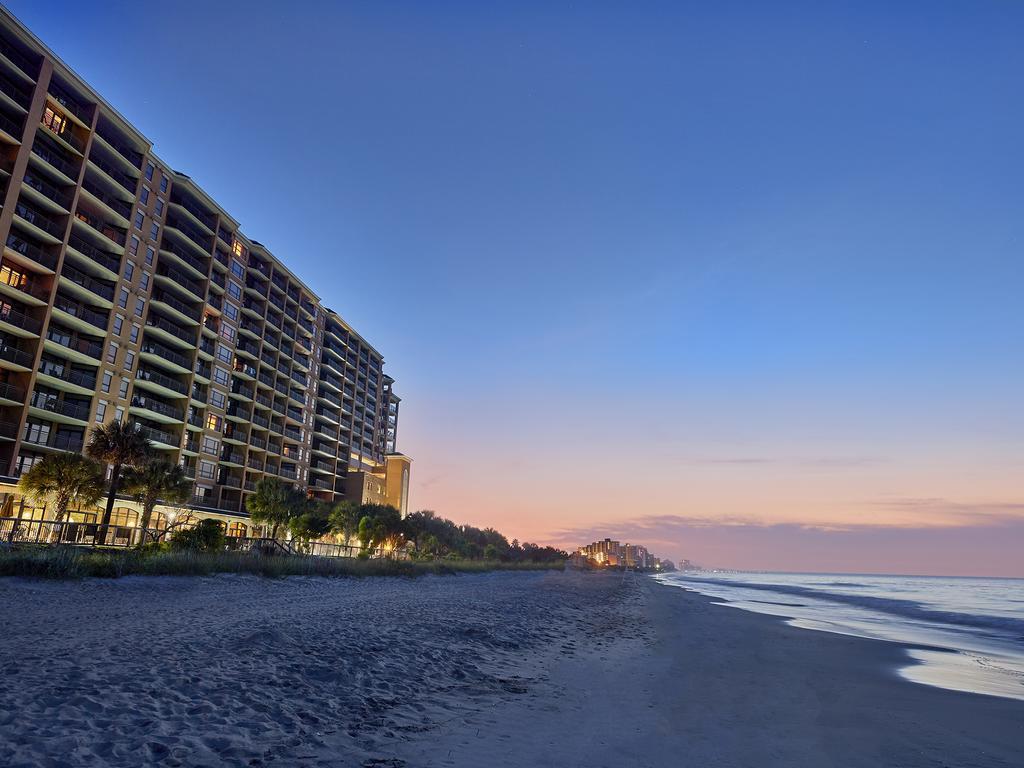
x=499, y=669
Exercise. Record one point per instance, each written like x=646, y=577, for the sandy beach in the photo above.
x=502, y=669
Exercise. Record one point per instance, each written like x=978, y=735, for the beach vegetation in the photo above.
x=61, y=480
x=205, y=536
x=155, y=481
x=275, y=504
x=118, y=444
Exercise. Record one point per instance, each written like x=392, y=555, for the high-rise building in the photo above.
x=126, y=292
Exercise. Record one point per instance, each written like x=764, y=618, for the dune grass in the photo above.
x=78, y=562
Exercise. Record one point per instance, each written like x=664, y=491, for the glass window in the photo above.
x=223, y=353
x=207, y=468
x=135, y=332
x=159, y=207
x=237, y=268
x=227, y=331
x=149, y=171
x=150, y=255
x=144, y=281
x=133, y=245
x=107, y=378
x=221, y=376
x=112, y=352
x=122, y=391
x=234, y=290
x=140, y=306
x=129, y=270
x=101, y=411
x=129, y=360
x=231, y=311
x=119, y=414
x=218, y=398
x=122, y=300
x=118, y=324
x=140, y=218
x=163, y=184
x=144, y=197
x=154, y=231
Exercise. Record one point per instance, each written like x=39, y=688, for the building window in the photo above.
x=101, y=411
x=237, y=247
x=134, y=336
x=54, y=120
x=119, y=414
x=237, y=269
x=227, y=332
x=154, y=231
x=207, y=468
x=122, y=299
x=129, y=360
x=129, y=270
x=163, y=184
x=218, y=398
x=210, y=445
x=140, y=306
x=144, y=197
x=150, y=255
x=223, y=353
x=221, y=376
x=118, y=324
x=231, y=311
x=144, y=281
x=140, y=218
x=123, y=389
x=133, y=246
x=107, y=378
x=234, y=290
x=112, y=352
x=149, y=171
x=159, y=207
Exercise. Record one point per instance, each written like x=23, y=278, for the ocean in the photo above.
x=965, y=634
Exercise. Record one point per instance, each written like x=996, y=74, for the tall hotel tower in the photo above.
x=126, y=293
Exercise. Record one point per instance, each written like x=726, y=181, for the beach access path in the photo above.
x=500, y=669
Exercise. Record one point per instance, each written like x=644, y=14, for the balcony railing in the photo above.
x=203, y=242
x=158, y=406
x=47, y=190
x=15, y=90
x=74, y=342
x=128, y=182
x=59, y=370
x=193, y=261
x=19, y=319
x=82, y=312
x=193, y=286
x=209, y=220
x=102, y=288
x=165, y=353
x=145, y=374
x=114, y=203
x=60, y=440
x=104, y=258
x=113, y=234
x=39, y=219
x=133, y=156
x=18, y=59
x=165, y=298
x=53, y=404
x=69, y=102
x=44, y=149
x=157, y=435
x=155, y=321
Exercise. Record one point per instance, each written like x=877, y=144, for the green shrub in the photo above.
x=206, y=536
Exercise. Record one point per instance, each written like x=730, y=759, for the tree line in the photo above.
x=64, y=480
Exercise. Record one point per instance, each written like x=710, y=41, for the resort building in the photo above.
x=126, y=292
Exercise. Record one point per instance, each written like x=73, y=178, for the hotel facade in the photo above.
x=127, y=293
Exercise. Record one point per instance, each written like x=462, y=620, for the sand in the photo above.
x=503, y=669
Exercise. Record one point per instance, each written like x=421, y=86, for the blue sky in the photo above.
x=629, y=258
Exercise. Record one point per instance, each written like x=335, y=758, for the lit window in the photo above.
x=54, y=120
x=213, y=422
x=237, y=247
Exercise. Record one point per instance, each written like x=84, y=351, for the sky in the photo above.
x=739, y=281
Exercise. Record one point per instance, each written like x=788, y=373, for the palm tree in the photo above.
x=119, y=444
x=154, y=481
x=63, y=479
x=274, y=503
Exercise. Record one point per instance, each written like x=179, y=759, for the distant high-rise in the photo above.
x=127, y=293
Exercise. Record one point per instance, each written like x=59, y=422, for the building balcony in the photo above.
x=48, y=228
x=131, y=155
x=109, y=167
x=55, y=158
x=56, y=440
x=157, y=410
x=178, y=309
x=85, y=286
x=11, y=394
x=111, y=262
x=161, y=439
x=62, y=96
x=96, y=224
x=204, y=219
x=189, y=234
x=46, y=194
x=161, y=383
x=170, y=331
x=78, y=315
x=112, y=203
x=154, y=352
x=184, y=257
x=57, y=374
x=16, y=93
x=69, y=344
x=232, y=458
x=193, y=290
x=55, y=408
x=13, y=357
x=15, y=322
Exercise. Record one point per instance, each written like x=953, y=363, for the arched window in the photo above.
x=122, y=516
